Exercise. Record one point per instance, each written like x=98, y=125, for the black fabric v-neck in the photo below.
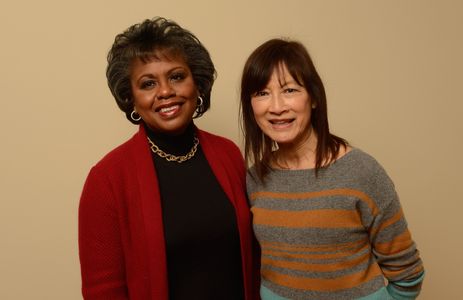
x=201, y=234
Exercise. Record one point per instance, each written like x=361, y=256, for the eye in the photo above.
x=290, y=90
x=147, y=84
x=260, y=94
x=177, y=76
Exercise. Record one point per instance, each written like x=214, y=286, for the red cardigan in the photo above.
x=121, y=237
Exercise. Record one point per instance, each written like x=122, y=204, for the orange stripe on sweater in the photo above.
x=392, y=273
x=313, y=248
x=401, y=263
x=322, y=284
x=396, y=272
x=399, y=243
x=321, y=218
x=326, y=193
x=395, y=218
x=312, y=255
x=418, y=270
x=297, y=265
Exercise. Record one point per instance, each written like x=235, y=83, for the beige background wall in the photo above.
x=393, y=74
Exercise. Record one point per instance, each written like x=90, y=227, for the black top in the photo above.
x=201, y=234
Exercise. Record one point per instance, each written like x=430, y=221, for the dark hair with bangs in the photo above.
x=257, y=72
x=150, y=39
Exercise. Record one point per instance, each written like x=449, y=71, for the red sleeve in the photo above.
x=100, y=247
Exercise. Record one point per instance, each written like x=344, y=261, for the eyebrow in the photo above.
x=169, y=72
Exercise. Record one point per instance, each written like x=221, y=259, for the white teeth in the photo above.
x=168, y=109
x=280, y=122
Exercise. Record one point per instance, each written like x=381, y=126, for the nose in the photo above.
x=165, y=90
x=277, y=105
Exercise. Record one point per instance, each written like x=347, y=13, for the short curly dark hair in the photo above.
x=141, y=41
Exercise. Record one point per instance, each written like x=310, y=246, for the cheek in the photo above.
x=257, y=108
x=189, y=88
x=257, y=115
x=306, y=120
x=304, y=109
x=142, y=99
x=260, y=121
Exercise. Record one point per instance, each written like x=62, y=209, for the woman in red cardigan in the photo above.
x=165, y=214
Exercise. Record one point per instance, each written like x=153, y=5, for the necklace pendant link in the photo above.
x=170, y=157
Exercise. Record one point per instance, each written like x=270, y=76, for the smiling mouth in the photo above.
x=169, y=111
x=281, y=122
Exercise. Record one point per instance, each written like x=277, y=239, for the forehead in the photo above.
x=281, y=74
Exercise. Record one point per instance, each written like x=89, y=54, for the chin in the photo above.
x=282, y=140
x=176, y=129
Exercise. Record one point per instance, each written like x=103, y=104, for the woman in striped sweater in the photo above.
x=326, y=215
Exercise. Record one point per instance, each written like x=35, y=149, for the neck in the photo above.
x=300, y=155
x=174, y=144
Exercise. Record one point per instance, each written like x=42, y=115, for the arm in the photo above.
x=392, y=244
x=100, y=248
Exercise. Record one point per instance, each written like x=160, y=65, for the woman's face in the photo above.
x=164, y=93
x=283, y=109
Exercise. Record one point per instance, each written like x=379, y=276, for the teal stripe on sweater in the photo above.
x=405, y=295
x=385, y=293
x=266, y=294
x=381, y=294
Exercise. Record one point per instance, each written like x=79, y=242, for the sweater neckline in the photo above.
x=339, y=160
x=173, y=144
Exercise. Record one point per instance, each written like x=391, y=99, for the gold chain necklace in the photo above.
x=171, y=157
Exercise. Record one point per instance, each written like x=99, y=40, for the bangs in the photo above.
x=296, y=69
x=158, y=53
x=260, y=69
x=260, y=74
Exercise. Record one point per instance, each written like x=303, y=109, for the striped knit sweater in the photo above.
x=341, y=235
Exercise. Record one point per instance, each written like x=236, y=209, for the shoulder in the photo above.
x=361, y=170
x=116, y=170
x=251, y=176
x=104, y=180
x=357, y=160
x=118, y=155
x=369, y=176
x=253, y=182
x=120, y=162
